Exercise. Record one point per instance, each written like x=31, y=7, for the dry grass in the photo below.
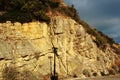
x=11, y=73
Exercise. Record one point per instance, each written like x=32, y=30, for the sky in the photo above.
x=104, y=15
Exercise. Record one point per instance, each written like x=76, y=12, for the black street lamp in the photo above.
x=54, y=76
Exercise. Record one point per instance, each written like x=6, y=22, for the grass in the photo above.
x=11, y=73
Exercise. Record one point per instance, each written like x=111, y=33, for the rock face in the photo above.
x=28, y=46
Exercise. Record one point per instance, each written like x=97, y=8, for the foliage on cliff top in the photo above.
x=28, y=10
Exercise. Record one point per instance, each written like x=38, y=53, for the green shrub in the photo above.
x=86, y=73
x=35, y=9
x=54, y=4
x=71, y=12
x=15, y=16
x=119, y=70
x=27, y=10
x=40, y=15
x=95, y=74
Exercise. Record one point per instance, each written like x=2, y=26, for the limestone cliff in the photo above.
x=28, y=46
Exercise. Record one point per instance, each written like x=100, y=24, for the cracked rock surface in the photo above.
x=29, y=46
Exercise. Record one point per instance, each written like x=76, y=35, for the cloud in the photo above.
x=102, y=14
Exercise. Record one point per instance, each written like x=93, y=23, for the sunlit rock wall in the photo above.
x=28, y=46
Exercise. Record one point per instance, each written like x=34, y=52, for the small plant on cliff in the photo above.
x=95, y=74
x=86, y=73
x=9, y=73
x=111, y=71
x=102, y=74
x=71, y=12
x=119, y=70
x=75, y=76
x=115, y=68
x=27, y=75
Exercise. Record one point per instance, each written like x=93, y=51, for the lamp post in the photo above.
x=54, y=76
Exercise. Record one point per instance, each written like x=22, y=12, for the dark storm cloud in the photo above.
x=102, y=14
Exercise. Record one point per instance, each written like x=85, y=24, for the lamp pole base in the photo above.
x=54, y=77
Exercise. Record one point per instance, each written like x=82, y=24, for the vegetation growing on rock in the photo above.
x=26, y=10
x=11, y=73
x=29, y=10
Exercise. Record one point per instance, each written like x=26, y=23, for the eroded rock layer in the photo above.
x=28, y=46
